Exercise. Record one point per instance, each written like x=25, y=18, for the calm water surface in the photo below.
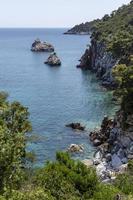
x=55, y=96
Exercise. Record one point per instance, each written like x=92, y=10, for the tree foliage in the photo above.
x=14, y=125
x=116, y=31
x=124, y=78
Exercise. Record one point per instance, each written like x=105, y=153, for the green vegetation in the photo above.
x=63, y=179
x=116, y=31
x=125, y=181
x=124, y=78
x=66, y=179
x=14, y=125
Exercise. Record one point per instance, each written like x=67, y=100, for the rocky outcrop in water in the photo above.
x=98, y=60
x=75, y=148
x=39, y=46
x=53, y=60
x=76, y=126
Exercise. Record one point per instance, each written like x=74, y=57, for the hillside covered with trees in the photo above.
x=66, y=179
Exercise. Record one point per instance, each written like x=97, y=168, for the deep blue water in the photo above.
x=55, y=96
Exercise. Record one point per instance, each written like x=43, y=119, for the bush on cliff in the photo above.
x=125, y=181
x=117, y=31
x=124, y=78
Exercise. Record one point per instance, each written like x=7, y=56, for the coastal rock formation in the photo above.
x=53, y=60
x=76, y=126
x=39, y=46
x=75, y=148
x=98, y=60
x=114, y=148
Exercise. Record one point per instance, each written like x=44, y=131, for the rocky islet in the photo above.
x=39, y=46
x=53, y=60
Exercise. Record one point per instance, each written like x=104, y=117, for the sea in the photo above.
x=55, y=96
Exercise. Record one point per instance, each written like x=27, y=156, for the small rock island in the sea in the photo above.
x=76, y=126
x=53, y=60
x=75, y=148
x=39, y=46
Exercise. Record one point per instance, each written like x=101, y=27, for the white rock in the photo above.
x=123, y=168
x=98, y=155
x=101, y=168
x=88, y=162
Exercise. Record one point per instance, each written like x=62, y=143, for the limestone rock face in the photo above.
x=98, y=60
x=53, y=60
x=39, y=46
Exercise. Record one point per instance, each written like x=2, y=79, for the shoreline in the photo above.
x=114, y=149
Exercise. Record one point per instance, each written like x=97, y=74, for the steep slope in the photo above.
x=111, y=44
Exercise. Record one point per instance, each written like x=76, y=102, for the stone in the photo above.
x=101, y=169
x=88, y=162
x=130, y=156
x=75, y=148
x=108, y=157
x=113, y=135
x=96, y=162
x=98, y=155
x=124, y=160
x=131, y=148
x=116, y=161
x=121, y=153
x=96, y=142
x=53, y=60
x=125, y=141
x=76, y=126
x=123, y=168
x=39, y=46
x=131, y=137
x=116, y=146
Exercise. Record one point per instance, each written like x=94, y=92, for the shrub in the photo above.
x=125, y=183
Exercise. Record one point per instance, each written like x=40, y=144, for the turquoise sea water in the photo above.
x=55, y=96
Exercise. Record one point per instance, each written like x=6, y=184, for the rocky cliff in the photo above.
x=115, y=147
x=100, y=61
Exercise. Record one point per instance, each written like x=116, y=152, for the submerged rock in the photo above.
x=53, y=60
x=76, y=126
x=39, y=46
x=76, y=148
